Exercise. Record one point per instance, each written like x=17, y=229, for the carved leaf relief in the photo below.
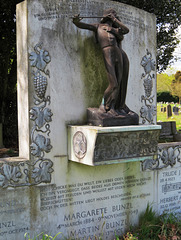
x=168, y=156
x=40, y=145
x=9, y=173
x=39, y=58
x=40, y=116
x=43, y=173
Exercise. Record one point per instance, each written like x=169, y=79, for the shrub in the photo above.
x=166, y=97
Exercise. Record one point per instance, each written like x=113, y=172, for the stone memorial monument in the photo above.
x=71, y=177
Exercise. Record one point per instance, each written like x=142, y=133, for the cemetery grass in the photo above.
x=155, y=227
x=162, y=116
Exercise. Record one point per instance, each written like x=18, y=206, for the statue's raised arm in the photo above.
x=82, y=25
x=117, y=23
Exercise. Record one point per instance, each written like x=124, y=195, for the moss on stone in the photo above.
x=92, y=71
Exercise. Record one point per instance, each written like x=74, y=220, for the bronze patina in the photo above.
x=110, y=33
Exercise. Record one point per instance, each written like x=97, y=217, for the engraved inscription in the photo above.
x=67, y=9
x=169, y=190
x=114, y=198
x=10, y=223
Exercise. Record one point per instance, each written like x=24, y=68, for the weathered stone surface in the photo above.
x=169, y=183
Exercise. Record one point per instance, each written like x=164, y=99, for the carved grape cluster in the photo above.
x=148, y=85
x=40, y=84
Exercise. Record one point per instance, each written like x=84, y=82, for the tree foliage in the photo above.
x=168, y=13
x=176, y=85
x=8, y=71
x=166, y=97
x=164, y=82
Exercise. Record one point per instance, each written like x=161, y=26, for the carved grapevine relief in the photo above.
x=148, y=110
x=39, y=169
x=41, y=115
x=40, y=58
x=169, y=156
x=124, y=145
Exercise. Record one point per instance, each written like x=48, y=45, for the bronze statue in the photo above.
x=109, y=33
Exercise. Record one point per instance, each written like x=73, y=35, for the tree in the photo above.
x=176, y=85
x=168, y=19
x=8, y=103
x=164, y=82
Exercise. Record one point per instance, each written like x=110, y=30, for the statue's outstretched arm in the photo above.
x=82, y=25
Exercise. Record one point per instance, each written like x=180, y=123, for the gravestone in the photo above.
x=168, y=130
x=65, y=179
x=175, y=110
x=164, y=109
x=169, y=111
x=169, y=178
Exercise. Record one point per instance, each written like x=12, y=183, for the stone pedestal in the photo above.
x=98, y=117
x=94, y=146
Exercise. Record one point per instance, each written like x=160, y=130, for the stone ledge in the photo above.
x=94, y=146
x=169, y=144
x=13, y=159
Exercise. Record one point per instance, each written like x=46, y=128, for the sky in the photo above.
x=176, y=66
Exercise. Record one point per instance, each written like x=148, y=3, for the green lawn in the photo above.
x=162, y=116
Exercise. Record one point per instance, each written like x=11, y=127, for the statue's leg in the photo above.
x=112, y=91
x=124, y=80
x=123, y=88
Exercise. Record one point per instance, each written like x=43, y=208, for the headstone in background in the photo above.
x=168, y=130
x=164, y=109
x=169, y=111
x=175, y=110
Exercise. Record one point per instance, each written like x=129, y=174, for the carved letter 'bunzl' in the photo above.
x=113, y=110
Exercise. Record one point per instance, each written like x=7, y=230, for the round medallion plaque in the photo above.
x=79, y=144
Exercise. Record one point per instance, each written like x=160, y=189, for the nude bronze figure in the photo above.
x=110, y=33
